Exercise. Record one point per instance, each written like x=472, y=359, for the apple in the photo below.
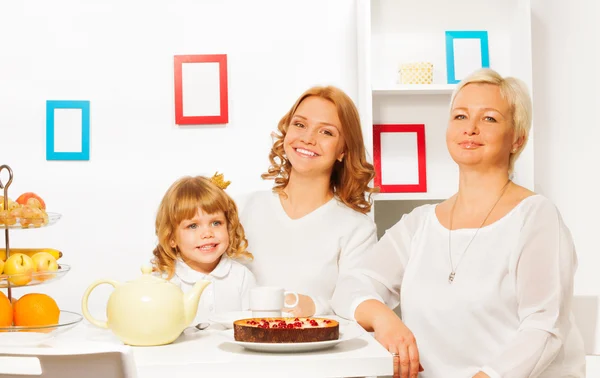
x=24, y=198
x=44, y=262
x=19, y=268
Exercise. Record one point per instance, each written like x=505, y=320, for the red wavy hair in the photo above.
x=350, y=178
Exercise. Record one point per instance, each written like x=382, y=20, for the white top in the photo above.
x=508, y=311
x=304, y=255
x=229, y=289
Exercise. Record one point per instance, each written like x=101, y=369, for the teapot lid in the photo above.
x=147, y=276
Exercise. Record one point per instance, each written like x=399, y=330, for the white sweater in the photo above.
x=304, y=255
x=508, y=311
x=229, y=290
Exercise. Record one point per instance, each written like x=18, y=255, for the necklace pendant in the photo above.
x=451, y=277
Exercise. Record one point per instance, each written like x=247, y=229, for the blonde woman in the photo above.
x=313, y=223
x=200, y=237
x=484, y=279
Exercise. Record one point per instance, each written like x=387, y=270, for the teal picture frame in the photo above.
x=482, y=35
x=84, y=106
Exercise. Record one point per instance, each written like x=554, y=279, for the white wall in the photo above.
x=119, y=55
x=566, y=81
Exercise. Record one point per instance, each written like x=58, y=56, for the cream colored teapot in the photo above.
x=148, y=310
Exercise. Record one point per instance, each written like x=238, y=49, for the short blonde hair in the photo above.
x=350, y=178
x=516, y=93
x=181, y=202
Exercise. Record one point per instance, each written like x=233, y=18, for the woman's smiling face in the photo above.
x=314, y=139
x=480, y=131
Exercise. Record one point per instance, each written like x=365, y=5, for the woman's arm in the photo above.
x=544, y=270
x=369, y=287
x=376, y=272
x=392, y=334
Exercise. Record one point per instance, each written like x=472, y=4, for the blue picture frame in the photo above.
x=482, y=35
x=51, y=106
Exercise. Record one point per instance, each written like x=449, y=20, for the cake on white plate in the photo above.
x=285, y=330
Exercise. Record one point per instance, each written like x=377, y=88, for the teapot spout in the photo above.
x=191, y=300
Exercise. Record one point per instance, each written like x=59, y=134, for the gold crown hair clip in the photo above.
x=219, y=181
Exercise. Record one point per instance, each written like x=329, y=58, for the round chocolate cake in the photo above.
x=285, y=330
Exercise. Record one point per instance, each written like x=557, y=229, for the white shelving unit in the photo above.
x=391, y=32
x=414, y=89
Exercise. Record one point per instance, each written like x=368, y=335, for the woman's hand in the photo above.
x=399, y=340
x=393, y=335
x=304, y=308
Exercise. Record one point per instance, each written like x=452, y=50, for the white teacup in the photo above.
x=267, y=301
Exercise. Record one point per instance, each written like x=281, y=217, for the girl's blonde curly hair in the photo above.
x=181, y=202
x=350, y=178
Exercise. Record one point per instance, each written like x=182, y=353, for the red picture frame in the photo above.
x=223, y=117
x=419, y=129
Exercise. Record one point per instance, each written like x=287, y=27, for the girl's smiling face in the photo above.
x=202, y=240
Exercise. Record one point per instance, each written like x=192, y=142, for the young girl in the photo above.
x=199, y=236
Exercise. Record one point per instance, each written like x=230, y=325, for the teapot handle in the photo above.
x=84, y=302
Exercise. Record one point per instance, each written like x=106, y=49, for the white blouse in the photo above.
x=508, y=311
x=229, y=289
x=304, y=255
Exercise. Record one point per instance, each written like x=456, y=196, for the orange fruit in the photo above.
x=35, y=310
x=6, y=311
x=23, y=198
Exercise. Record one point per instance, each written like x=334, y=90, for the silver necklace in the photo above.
x=452, y=267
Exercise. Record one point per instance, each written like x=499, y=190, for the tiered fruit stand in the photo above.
x=28, y=335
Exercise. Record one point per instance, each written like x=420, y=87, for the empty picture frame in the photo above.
x=201, y=89
x=466, y=51
x=399, y=158
x=67, y=130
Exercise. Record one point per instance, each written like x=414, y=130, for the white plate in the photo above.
x=346, y=333
x=226, y=319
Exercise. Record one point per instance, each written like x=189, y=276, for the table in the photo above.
x=208, y=353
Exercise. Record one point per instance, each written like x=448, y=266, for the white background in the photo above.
x=119, y=55
x=201, y=89
x=68, y=128
x=399, y=158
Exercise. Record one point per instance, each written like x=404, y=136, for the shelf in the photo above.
x=408, y=197
x=418, y=89
x=389, y=34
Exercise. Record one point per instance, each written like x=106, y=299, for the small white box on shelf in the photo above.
x=416, y=73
